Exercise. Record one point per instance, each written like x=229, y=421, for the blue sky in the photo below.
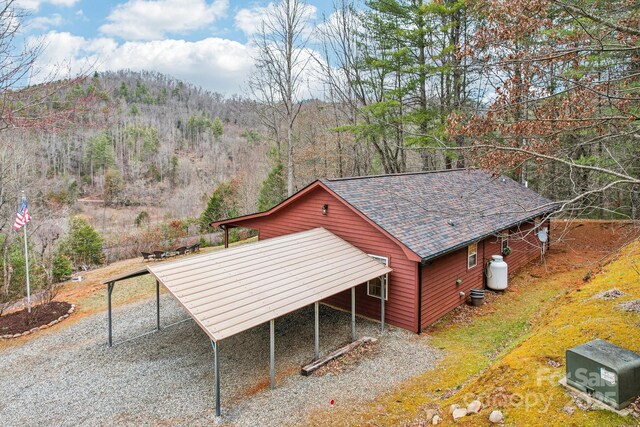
x=205, y=42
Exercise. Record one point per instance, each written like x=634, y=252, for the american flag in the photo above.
x=22, y=217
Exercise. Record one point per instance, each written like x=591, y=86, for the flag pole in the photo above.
x=26, y=262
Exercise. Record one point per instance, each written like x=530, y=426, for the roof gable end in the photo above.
x=234, y=222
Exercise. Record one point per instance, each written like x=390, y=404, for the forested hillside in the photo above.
x=121, y=162
x=155, y=142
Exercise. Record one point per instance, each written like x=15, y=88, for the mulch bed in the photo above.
x=21, y=321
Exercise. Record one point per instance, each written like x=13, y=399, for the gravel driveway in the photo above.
x=68, y=376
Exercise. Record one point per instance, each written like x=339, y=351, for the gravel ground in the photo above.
x=68, y=376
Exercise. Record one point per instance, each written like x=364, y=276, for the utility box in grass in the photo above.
x=605, y=371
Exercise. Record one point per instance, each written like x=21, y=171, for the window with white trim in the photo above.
x=472, y=255
x=374, y=286
x=504, y=241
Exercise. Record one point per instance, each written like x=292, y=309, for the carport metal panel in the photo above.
x=230, y=291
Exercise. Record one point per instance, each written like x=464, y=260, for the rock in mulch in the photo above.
x=429, y=414
x=459, y=413
x=631, y=306
x=496, y=417
x=569, y=408
x=583, y=404
x=474, y=407
x=436, y=419
x=553, y=363
x=610, y=294
x=453, y=408
x=634, y=407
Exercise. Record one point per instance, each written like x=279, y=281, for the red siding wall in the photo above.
x=440, y=293
x=306, y=213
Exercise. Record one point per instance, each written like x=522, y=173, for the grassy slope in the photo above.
x=506, y=343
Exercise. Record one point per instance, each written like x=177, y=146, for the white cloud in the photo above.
x=152, y=20
x=45, y=22
x=35, y=4
x=249, y=20
x=216, y=64
x=80, y=15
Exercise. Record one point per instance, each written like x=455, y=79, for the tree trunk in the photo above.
x=635, y=202
x=290, y=176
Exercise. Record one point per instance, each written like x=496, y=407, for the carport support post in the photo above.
x=382, y=294
x=353, y=314
x=109, y=291
x=216, y=375
x=272, y=352
x=157, y=305
x=317, y=331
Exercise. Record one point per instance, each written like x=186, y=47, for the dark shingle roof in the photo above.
x=418, y=209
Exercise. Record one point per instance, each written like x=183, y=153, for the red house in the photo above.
x=436, y=230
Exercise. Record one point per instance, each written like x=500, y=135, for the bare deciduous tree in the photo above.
x=281, y=63
x=564, y=114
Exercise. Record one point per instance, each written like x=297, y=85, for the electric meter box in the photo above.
x=605, y=371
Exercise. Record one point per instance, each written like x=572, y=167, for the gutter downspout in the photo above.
x=549, y=234
x=485, y=264
x=419, y=264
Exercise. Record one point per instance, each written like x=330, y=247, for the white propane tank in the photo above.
x=497, y=273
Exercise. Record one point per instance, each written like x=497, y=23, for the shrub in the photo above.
x=83, y=244
x=222, y=204
x=62, y=267
x=16, y=271
x=273, y=189
x=142, y=218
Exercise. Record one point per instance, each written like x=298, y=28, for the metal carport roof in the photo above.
x=232, y=290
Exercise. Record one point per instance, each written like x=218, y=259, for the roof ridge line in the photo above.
x=398, y=174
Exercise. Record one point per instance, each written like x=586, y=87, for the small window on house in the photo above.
x=374, y=287
x=504, y=241
x=472, y=255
